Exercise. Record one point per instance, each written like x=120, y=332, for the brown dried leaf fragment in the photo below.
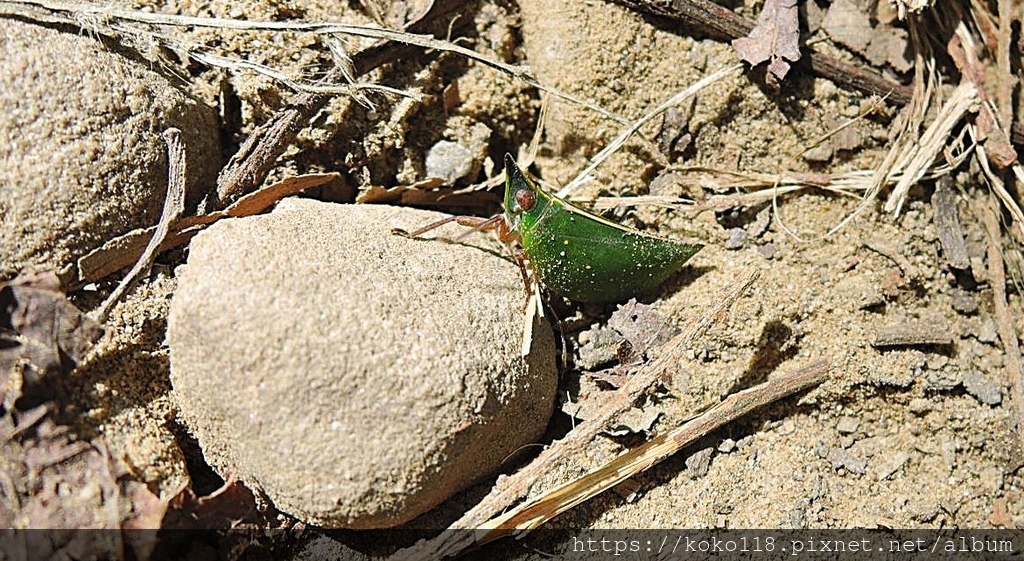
x=225, y=508
x=776, y=37
x=125, y=250
x=963, y=50
x=42, y=336
x=947, y=225
x=642, y=326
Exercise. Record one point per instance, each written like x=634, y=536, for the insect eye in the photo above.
x=525, y=199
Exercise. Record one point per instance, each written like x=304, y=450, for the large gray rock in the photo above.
x=358, y=377
x=80, y=145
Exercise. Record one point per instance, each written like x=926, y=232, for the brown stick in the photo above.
x=122, y=251
x=1004, y=316
x=530, y=515
x=248, y=168
x=461, y=534
x=723, y=24
x=1006, y=81
x=174, y=207
x=947, y=224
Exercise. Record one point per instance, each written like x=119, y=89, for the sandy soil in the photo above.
x=900, y=435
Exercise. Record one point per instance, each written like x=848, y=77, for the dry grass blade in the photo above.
x=460, y=534
x=353, y=89
x=122, y=251
x=617, y=143
x=963, y=49
x=1006, y=81
x=174, y=207
x=1004, y=196
x=532, y=514
x=920, y=154
x=993, y=142
x=97, y=12
x=913, y=119
x=871, y=108
x=1004, y=317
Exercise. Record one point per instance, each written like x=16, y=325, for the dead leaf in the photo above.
x=42, y=336
x=147, y=514
x=64, y=489
x=635, y=420
x=224, y=508
x=123, y=251
x=378, y=194
x=632, y=331
x=229, y=519
x=641, y=326
x=776, y=37
x=147, y=508
x=849, y=25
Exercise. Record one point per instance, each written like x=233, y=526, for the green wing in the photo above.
x=586, y=258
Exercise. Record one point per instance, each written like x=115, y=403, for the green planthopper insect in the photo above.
x=572, y=252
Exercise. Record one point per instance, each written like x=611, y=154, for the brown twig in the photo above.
x=124, y=250
x=947, y=225
x=1006, y=81
x=723, y=24
x=174, y=207
x=461, y=534
x=248, y=167
x=1004, y=316
x=913, y=333
x=531, y=515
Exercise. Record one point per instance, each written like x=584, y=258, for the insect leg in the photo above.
x=530, y=283
x=474, y=222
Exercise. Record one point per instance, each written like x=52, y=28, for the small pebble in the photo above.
x=600, y=349
x=737, y=237
x=890, y=464
x=920, y=405
x=727, y=445
x=699, y=462
x=847, y=425
x=667, y=185
x=768, y=250
x=982, y=388
x=841, y=458
x=991, y=479
x=760, y=224
x=936, y=362
x=820, y=448
x=923, y=510
x=449, y=161
x=964, y=303
x=987, y=333
x=819, y=154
